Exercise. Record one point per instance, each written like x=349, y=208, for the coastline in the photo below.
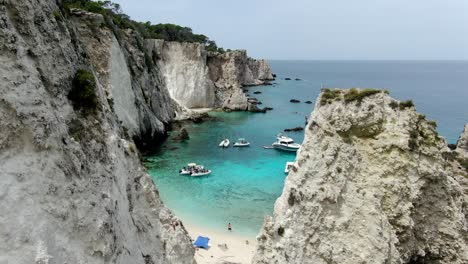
x=225, y=246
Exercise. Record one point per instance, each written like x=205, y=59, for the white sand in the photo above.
x=238, y=251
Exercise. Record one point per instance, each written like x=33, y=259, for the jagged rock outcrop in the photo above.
x=233, y=70
x=462, y=143
x=196, y=78
x=73, y=188
x=370, y=185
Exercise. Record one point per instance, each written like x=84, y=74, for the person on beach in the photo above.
x=229, y=227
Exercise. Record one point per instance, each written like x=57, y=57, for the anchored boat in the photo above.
x=225, y=143
x=194, y=170
x=241, y=142
x=285, y=143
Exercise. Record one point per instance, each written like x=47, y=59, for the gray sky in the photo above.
x=325, y=29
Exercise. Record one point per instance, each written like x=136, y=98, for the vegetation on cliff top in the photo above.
x=358, y=95
x=169, y=32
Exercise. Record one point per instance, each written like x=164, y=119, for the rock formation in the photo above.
x=370, y=184
x=183, y=67
x=462, y=143
x=196, y=78
x=73, y=188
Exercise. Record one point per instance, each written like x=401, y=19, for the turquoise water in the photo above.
x=246, y=181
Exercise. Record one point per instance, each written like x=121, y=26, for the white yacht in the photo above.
x=225, y=143
x=288, y=166
x=285, y=143
x=241, y=142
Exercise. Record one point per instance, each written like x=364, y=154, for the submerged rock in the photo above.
x=295, y=129
x=183, y=135
x=308, y=102
x=370, y=185
x=294, y=101
x=257, y=92
x=287, y=79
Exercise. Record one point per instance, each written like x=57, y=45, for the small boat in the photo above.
x=288, y=166
x=190, y=168
x=268, y=147
x=285, y=143
x=225, y=143
x=241, y=142
x=194, y=170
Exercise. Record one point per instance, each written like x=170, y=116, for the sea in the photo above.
x=246, y=182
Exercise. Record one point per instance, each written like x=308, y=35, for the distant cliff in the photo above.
x=372, y=183
x=197, y=78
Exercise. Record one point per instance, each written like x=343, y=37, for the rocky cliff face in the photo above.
x=196, y=78
x=462, y=144
x=73, y=189
x=232, y=70
x=370, y=185
x=183, y=67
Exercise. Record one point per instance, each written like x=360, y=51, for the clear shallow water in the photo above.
x=246, y=181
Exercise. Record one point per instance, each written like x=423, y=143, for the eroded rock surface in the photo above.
x=73, y=189
x=462, y=143
x=196, y=78
x=371, y=184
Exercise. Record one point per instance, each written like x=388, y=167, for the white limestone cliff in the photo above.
x=462, y=143
x=371, y=184
x=183, y=67
x=73, y=188
x=196, y=78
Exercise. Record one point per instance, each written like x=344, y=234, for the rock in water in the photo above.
x=296, y=129
x=294, y=101
x=308, y=102
x=371, y=186
x=183, y=134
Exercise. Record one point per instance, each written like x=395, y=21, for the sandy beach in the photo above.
x=225, y=246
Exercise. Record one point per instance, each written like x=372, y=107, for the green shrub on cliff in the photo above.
x=83, y=92
x=329, y=95
x=406, y=104
x=359, y=95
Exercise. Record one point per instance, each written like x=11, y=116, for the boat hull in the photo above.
x=285, y=148
x=201, y=174
x=241, y=145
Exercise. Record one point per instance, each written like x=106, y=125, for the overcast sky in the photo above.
x=325, y=29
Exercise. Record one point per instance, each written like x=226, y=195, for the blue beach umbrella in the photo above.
x=201, y=242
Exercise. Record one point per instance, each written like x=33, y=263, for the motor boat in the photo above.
x=241, y=142
x=288, y=166
x=190, y=168
x=285, y=143
x=194, y=170
x=225, y=143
